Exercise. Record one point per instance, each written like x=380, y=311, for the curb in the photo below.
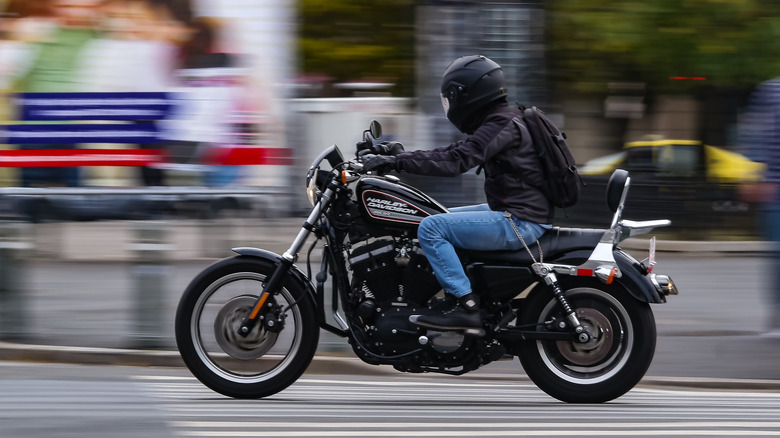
x=321, y=364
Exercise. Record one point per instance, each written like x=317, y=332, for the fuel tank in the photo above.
x=387, y=202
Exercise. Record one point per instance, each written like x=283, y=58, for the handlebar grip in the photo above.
x=364, y=145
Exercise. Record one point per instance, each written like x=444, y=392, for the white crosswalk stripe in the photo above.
x=405, y=406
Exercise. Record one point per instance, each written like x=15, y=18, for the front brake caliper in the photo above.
x=272, y=317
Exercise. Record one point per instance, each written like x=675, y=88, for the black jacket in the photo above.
x=504, y=148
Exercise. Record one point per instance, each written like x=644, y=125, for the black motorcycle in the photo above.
x=573, y=307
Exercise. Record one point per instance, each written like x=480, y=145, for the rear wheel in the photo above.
x=615, y=359
x=268, y=359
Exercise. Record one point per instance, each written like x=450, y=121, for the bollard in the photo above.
x=150, y=273
x=13, y=300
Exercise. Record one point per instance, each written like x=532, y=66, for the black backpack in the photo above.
x=562, y=182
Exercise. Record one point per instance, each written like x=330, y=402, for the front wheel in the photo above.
x=267, y=360
x=615, y=359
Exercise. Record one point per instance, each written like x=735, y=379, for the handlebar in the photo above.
x=354, y=166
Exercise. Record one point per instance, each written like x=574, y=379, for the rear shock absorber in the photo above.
x=552, y=280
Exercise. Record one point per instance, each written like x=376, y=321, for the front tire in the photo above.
x=606, y=367
x=260, y=364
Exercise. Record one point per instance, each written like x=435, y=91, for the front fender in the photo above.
x=294, y=272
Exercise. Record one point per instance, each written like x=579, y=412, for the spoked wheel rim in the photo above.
x=261, y=355
x=608, y=350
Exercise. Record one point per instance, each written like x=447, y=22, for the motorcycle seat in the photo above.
x=554, y=242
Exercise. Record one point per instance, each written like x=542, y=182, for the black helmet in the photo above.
x=468, y=84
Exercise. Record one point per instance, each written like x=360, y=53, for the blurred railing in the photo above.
x=100, y=203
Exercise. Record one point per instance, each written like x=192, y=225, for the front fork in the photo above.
x=271, y=287
x=552, y=281
x=286, y=262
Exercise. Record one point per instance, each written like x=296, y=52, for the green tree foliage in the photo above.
x=731, y=43
x=349, y=40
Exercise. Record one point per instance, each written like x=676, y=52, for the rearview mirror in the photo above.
x=375, y=129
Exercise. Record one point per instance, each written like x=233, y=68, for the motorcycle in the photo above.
x=573, y=307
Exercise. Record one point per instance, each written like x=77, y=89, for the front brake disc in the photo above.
x=227, y=324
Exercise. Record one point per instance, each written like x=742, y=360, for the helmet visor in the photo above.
x=445, y=103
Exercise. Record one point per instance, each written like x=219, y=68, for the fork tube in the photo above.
x=292, y=253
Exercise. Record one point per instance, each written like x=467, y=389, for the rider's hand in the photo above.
x=392, y=148
x=365, y=146
x=389, y=148
x=378, y=162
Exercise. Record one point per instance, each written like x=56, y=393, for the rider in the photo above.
x=473, y=94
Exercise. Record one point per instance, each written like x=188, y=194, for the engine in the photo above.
x=391, y=280
x=389, y=271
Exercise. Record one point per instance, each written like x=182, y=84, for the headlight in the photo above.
x=312, y=191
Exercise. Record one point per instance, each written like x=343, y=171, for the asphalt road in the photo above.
x=69, y=401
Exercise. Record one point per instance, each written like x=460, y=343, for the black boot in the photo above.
x=464, y=315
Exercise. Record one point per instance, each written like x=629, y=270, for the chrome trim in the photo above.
x=619, y=211
x=628, y=228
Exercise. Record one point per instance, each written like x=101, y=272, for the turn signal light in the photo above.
x=664, y=284
x=606, y=273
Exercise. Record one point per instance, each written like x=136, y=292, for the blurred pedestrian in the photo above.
x=58, y=30
x=760, y=135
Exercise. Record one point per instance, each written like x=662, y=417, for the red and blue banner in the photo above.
x=42, y=107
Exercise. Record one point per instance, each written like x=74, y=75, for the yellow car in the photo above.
x=684, y=158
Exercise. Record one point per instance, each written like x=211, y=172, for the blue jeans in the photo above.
x=474, y=227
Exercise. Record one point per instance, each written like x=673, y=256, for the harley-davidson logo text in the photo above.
x=385, y=204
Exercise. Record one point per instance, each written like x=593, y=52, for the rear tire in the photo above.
x=261, y=364
x=604, y=368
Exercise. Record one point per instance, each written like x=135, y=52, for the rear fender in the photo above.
x=636, y=282
x=295, y=273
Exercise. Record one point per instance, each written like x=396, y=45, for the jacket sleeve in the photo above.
x=492, y=137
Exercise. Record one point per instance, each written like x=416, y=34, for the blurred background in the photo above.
x=248, y=92
x=190, y=123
